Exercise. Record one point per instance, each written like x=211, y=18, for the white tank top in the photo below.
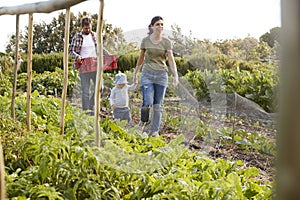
x=88, y=47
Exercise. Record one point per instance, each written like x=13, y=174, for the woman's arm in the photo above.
x=139, y=64
x=173, y=67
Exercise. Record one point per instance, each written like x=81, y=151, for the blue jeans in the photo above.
x=154, y=85
x=87, y=93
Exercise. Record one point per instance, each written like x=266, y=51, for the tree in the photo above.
x=225, y=47
x=183, y=45
x=239, y=48
x=48, y=37
x=11, y=44
x=271, y=37
x=264, y=50
x=246, y=46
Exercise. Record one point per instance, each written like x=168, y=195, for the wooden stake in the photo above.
x=65, y=84
x=16, y=65
x=29, y=71
x=2, y=174
x=99, y=78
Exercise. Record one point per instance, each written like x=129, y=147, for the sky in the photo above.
x=204, y=19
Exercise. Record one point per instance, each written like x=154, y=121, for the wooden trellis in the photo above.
x=47, y=7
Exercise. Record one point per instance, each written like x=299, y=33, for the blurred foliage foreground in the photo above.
x=43, y=164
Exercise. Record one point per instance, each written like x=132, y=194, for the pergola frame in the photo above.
x=48, y=7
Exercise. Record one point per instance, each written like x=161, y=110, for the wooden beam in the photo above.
x=39, y=7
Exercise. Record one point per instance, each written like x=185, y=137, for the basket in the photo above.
x=110, y=62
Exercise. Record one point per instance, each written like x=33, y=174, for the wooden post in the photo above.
x=29, y=71
x=65, y=84
x=2, y=174
x=287, y=183
x=15, y=67
x=30, y=8
x=99, y=78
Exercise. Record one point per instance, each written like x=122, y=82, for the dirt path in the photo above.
x=218, y=149
x=215, y=148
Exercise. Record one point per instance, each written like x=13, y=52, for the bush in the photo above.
x=47, y=82
x=127, y=61
x=45, y=62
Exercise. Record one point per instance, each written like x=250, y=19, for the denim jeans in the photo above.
x=122, y=113
x=154, y=85
x=87, y=93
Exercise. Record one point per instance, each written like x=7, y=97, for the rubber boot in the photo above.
x=145, y=114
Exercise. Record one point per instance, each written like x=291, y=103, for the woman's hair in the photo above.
x=85, y=21
x=154, y=19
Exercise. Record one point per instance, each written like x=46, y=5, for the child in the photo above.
x=119, y=98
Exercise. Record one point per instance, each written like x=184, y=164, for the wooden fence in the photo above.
x=47, y=7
